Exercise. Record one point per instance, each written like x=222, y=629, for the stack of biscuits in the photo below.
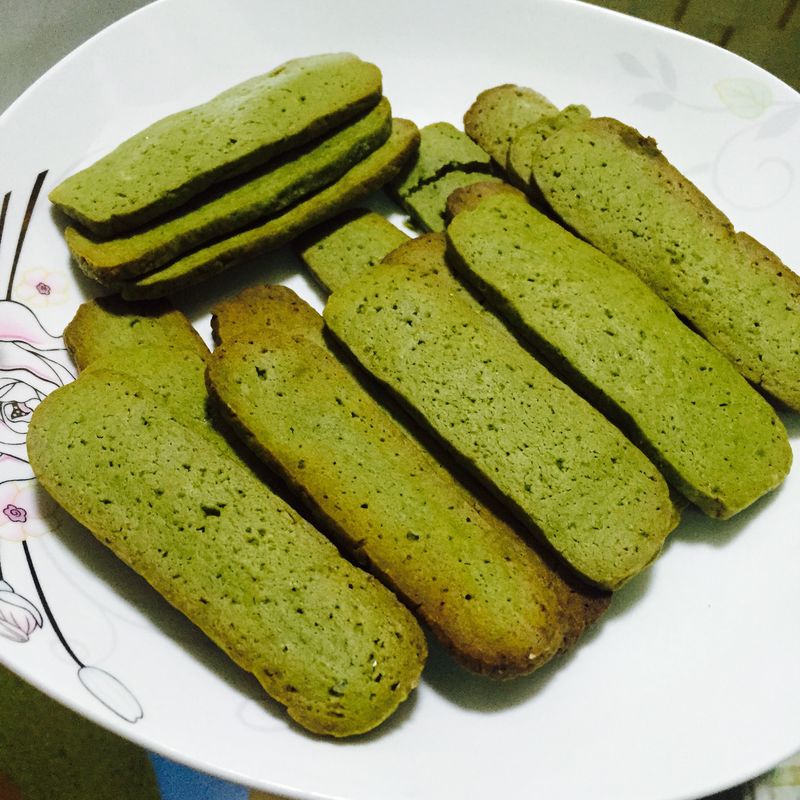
x=244, y=173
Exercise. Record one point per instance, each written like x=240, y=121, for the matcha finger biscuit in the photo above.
x=344, y=260
x=498, y=113
x=177, y=378
x=493, y=601
x=519, y=161
x=446, y=160
x=714, y=437
x=156, y=345
x=166, y=164
x=468, y=197
x=569, y=474
x=322, y=637
x=443, y=148
x=259, y=309
x=617, y=190
x=367, y=176
x=340, y=250
x=427, y=207
x=110, y=326
x=232, y=206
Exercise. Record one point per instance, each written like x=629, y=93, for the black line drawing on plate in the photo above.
x=33, y=363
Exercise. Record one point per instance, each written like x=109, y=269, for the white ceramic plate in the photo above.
x=690, y=683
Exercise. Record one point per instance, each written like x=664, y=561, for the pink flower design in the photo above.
x=15, y=513
x=37, y=286
x=41, y=511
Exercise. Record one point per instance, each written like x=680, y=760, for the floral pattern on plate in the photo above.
x=33, y=363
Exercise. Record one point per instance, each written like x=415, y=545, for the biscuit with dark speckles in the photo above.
x=446, y=160
x=322, y=637
x=567, y=472
x=340, y=250
x=495, y=603
x=233, y=205
x=711, y=434
x=367, y=176
x=498, y=113
x=179, y=156
x=617, y=190
x=110, y=326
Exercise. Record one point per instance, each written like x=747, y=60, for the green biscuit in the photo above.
x=493, y=601
x=615, y=188
x=447, y=159
x=498, y=113
x=48, y=752
x=715, y=438
x=567, y=472
x=366, y=177
x=343, y=248
x=519, y=161
x=442, y=148
x=253, y=313
x=427, y=205
x=112, y=327
x=156, y=345
x=178, y=378
x=177, y=157
x=468, y=197
x=322, y=637
x=427, y=251
x=232, y=207
x=248, y=315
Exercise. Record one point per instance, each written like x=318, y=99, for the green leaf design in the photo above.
x=744, y=97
